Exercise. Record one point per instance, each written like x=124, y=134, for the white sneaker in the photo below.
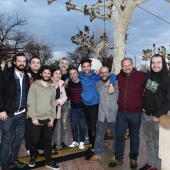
x=28, y=152
x=81, y=146
x=74, y=144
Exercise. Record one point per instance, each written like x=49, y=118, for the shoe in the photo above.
x=133, y=164
x=145, y=167
x=55, y=146
x=54, y=152
x=89, y=153
x=86, y=137
x=17, y=164
x=95, y=158
x=52, y=165
x=63, y=145
x=32, y=162
x=81, y=145
x=113, y=162
x=41, y=152
x=28, y=152
x=74, y=144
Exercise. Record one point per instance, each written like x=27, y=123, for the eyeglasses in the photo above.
x=104, y=73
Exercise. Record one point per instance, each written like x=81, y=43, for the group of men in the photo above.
x=20, y=117
x=96, y=100
x=141, y=97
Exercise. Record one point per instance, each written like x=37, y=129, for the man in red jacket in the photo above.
x=131, y=86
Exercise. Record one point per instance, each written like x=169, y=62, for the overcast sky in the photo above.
x=56, y=25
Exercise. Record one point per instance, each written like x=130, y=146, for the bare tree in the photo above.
x=39, y=48
x=80, y=53
x=12, y=38
x=120, y=13
x=86, y=41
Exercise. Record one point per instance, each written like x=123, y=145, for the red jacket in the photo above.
x=131, y=89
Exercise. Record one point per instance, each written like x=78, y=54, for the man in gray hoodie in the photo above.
x=42, y=111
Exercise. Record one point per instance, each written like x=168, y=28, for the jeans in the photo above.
x=77, y=119
x=123, y=121
x=63, y=121
x=91, y=116
x=101, y=130
x=47, y=139
x=13, y=130
x=151, y=135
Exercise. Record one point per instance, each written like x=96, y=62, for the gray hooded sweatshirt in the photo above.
x=40, y=101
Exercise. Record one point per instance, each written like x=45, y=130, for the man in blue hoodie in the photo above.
x=90, y=98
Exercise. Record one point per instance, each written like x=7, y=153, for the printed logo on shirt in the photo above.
x=152, y=85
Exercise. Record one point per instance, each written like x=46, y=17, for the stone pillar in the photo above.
x=164, y=142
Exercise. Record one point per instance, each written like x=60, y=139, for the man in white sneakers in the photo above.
x=77, y=119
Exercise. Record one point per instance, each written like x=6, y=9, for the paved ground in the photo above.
x=82, y=164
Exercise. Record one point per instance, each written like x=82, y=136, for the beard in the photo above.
x=105, y=80
x=46, y=80
x=19, y=67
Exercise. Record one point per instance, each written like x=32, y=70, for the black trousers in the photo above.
x=47, y=139
x=91, y=116
x=28, y=136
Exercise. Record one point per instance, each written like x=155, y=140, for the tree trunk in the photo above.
x=119, y=48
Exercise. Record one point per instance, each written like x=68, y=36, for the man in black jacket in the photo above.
x=33, y=73
x=156, y=102
x=14, y=85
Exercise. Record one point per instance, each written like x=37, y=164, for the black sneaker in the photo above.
x=54, y=152
x=89, y=153
x=55, y=146
x=32, y=162
x=17, y=164
x=114, y=163
x=145, y=167
x=63, y=145
x=52, y=165
x=133, y=164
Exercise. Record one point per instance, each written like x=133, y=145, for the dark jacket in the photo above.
x=131, y=89
x=34, y=76
x=156, y=99
x=8, y=91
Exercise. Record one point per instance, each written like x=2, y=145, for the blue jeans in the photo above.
x=77, y=119
x=151, y=134
x=123, y=121
x=63, y=121
x=101, y=130
x=13, y=130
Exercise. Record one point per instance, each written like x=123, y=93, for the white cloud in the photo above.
x=56, y=25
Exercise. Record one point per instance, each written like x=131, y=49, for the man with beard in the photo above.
x=90, y=97
x=156, y=102
x=33, y=73
x=42, y=111
x=14, y=85
x=64, y=64
x=131, y=85
x=107, y=112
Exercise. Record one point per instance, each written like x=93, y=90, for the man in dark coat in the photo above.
x=14, y=85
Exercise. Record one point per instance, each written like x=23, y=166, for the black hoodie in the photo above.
x=34, y=76
x=156, y=99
